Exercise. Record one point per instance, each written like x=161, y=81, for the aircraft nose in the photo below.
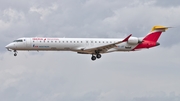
x=10, y=46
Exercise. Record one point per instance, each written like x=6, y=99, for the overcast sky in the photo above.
x=147, y=75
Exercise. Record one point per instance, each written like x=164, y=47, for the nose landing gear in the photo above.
x=15, y=53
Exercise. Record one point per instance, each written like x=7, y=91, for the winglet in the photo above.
x=126, y=39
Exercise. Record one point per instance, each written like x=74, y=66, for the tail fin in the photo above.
x=155, y=33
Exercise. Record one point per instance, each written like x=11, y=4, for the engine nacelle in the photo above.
x=134, y=40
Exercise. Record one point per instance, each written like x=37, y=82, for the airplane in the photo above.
x=93, y=46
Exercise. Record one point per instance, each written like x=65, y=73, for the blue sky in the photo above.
x=150, y=75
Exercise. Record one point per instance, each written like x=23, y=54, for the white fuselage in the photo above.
x=67, y=44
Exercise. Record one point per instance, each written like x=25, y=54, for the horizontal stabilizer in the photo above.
x=161, y=28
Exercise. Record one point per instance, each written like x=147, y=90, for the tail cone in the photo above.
x=157, y=43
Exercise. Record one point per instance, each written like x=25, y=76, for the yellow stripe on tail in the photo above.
x=161, y=28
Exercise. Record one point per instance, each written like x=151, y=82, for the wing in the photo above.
x=102, y=49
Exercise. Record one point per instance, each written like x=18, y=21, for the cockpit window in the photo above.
x=18, y=41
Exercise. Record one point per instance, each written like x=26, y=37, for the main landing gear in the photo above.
x=98, y=56
x=15, y=53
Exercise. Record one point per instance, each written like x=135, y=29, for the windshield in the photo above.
x=18, y=41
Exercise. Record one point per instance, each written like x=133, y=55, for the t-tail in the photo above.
x=151, y=39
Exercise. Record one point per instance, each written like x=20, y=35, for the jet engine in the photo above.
x=134, y=40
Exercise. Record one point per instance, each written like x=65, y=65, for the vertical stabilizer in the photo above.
x=155, y=33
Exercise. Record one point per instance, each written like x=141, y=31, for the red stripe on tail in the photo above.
x=149, y=41
x=154, y=36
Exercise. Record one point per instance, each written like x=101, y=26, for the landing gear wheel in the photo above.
x=98, y=56
x=93, y=58
x=15, y=54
